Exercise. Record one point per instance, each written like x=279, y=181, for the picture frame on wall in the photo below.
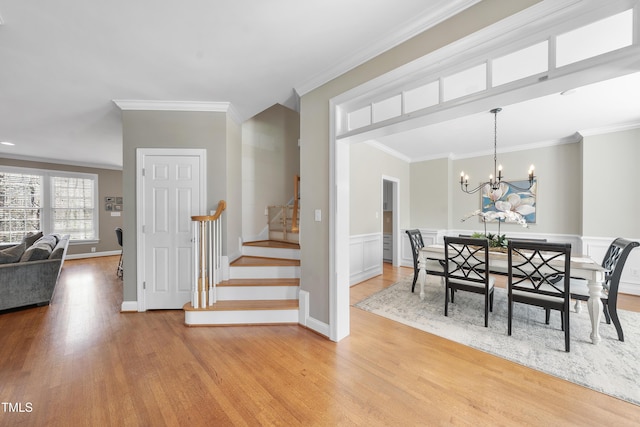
x=511, y=197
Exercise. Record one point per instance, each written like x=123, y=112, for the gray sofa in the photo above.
x=29, y=270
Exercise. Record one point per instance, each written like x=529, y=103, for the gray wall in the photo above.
x=367, y=167
x=270, y=160
x=611, y=175
x=109, y=184
x=430, y=189
x=558, y=201
x=172, y=129
x=314, y=135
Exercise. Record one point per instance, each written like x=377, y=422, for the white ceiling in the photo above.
x=63, y=63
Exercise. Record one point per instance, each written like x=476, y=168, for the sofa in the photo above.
x=29, y=270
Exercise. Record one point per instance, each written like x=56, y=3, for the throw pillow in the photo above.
x=38, y=251
x=31, y=238
x=12, y=254
x=49, y=240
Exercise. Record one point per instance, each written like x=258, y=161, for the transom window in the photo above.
x=51, y=201
x=537, y=60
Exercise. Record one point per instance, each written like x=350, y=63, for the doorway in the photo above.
x=390, y=220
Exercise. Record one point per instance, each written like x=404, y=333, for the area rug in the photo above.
x=611, y=367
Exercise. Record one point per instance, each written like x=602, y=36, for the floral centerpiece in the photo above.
x=496, y=240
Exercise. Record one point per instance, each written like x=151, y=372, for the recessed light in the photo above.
x=7, y=143
x=569, y=92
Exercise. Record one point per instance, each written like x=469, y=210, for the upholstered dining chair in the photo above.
x=613, y=262
x=119, y=271
x=539, y=276
x=467, y=269
x=433, y=266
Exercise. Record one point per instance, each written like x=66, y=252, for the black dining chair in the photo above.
x=613, y=262
x=119, y=271
x=433, y=266
x=539, y=276
x=467, y=269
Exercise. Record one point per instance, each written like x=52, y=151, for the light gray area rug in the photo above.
x=611, y=367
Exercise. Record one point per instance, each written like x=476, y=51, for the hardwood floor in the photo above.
x=80, y=362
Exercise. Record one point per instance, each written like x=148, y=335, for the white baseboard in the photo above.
x=129, y=306
x=92, y=254
x=307, y=321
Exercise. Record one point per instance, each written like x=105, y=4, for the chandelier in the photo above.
x=494, y=183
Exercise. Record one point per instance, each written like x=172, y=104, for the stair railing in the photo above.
x=207, y=250
x=296, y=202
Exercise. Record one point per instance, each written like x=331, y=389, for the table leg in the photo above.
x=422, y=274
x=595, y=309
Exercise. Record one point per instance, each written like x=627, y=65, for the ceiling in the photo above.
x=64, y=62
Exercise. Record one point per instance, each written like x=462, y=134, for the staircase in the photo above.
x=262, y=288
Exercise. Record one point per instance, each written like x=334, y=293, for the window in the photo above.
x=20, y=205
x=51, y=201
x=73, y=207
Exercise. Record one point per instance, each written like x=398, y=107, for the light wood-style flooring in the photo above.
x=80, y=362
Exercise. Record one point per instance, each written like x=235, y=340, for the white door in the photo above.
x=172, y=191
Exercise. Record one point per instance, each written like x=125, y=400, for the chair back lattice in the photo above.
x=467, y=259
x=415, y=237
x=614, y=260
x=540, y=268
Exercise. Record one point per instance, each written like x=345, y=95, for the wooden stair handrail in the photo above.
x=296, y=197
x=222, y=205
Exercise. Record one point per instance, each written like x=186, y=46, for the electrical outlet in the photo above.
x=93, y=249
x=635, y=273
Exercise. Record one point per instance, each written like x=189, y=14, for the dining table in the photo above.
x=582, y=267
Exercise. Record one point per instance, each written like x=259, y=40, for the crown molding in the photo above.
x=437, y=14
x=201, y=106
x=60, y=162
x=610, y=129
x=387, y=150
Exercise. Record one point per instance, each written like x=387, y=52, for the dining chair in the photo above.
x=539, y=275
x=433, y=266
x=613, y=262
x=119, y=271
x=466, y=268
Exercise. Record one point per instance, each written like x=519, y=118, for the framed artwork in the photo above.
x=509, y=198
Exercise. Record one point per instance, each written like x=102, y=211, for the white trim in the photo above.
x=92, y=254
x=60, y=162
x=307, y=321
x=576, y=137
x=365, y=257
x=610, y=129
x=386, y=149
x=147, y=105
x=129, y=306
x=339, y=316
x=406, y=31
x=141, y=153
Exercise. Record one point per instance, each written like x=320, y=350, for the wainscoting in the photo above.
x=366, y=253
x=365, y=257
